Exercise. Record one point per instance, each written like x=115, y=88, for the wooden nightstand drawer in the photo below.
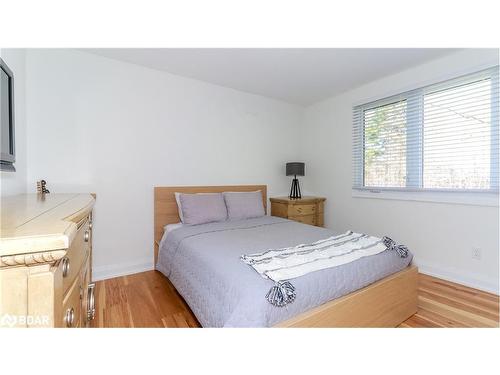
x=301, y=209
x=307, y=210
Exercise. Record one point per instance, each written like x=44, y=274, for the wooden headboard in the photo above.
x=165, y=206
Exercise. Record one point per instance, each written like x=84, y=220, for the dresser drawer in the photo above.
x=301, y=209
x=88, y=298
x=71, y=309
x=76, y=255
x=305, y=219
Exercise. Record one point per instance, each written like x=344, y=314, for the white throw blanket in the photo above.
x=281, y=265
x=292, y=262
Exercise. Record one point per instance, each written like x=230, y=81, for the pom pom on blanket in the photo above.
x=281, y=294
x=402, y=250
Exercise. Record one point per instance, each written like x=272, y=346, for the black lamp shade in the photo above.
x=295, y=169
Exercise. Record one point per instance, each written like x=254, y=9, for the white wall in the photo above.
x=15, y=182
x=441, y=236
x=117, y=129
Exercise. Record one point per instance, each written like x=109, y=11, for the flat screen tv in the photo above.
x=7, y=144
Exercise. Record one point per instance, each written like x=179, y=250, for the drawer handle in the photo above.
x=70, y=317
x=65, y=266
x=90, y=224
x=91, y=302
x=86, y=236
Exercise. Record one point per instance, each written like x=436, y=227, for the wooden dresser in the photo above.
x=307, y=210
x=46, y=261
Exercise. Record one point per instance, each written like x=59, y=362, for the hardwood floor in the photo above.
x=148, y=299
x=145, y=299
x=445, y=304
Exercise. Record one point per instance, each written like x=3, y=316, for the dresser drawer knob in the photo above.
x=65, y=266
x=70, y=317
x=86, y=236
x=91, y=302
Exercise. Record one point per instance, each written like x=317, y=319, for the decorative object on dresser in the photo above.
x=41, y=187
x=295, y=169
x=46, y=261
x=307, y=210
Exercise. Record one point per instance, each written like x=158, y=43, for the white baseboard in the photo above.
x=122, y=269
x=455, y=276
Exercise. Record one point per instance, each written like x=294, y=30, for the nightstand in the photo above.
x=307, y=210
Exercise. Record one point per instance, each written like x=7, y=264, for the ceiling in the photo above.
x=298, y=76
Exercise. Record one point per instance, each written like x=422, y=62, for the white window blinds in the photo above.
x=440, y=137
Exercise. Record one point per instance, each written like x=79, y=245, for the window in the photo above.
x=457, y=137
x=443, y=137
x=385, y=145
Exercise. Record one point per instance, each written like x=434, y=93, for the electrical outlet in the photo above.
x=476, y=253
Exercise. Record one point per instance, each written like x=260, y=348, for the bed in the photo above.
x=202, y=262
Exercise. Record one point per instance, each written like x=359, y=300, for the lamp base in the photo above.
x=295, y=189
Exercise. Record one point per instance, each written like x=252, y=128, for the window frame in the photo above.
x=414, y=189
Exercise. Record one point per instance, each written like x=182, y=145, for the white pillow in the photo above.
x=179, y=207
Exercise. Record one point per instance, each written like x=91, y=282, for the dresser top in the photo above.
x=304, y=200
x=33, y=222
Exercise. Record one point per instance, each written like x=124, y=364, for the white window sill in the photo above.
x=467, y=198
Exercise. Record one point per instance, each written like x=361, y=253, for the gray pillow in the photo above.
x=244, y=205
x=202, y=208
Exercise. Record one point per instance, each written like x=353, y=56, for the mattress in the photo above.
x=203, y=263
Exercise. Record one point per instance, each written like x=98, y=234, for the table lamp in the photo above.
x=295, y=169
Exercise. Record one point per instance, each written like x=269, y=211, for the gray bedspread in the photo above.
x=203, y=263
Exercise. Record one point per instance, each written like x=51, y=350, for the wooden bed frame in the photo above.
x=386, y=303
